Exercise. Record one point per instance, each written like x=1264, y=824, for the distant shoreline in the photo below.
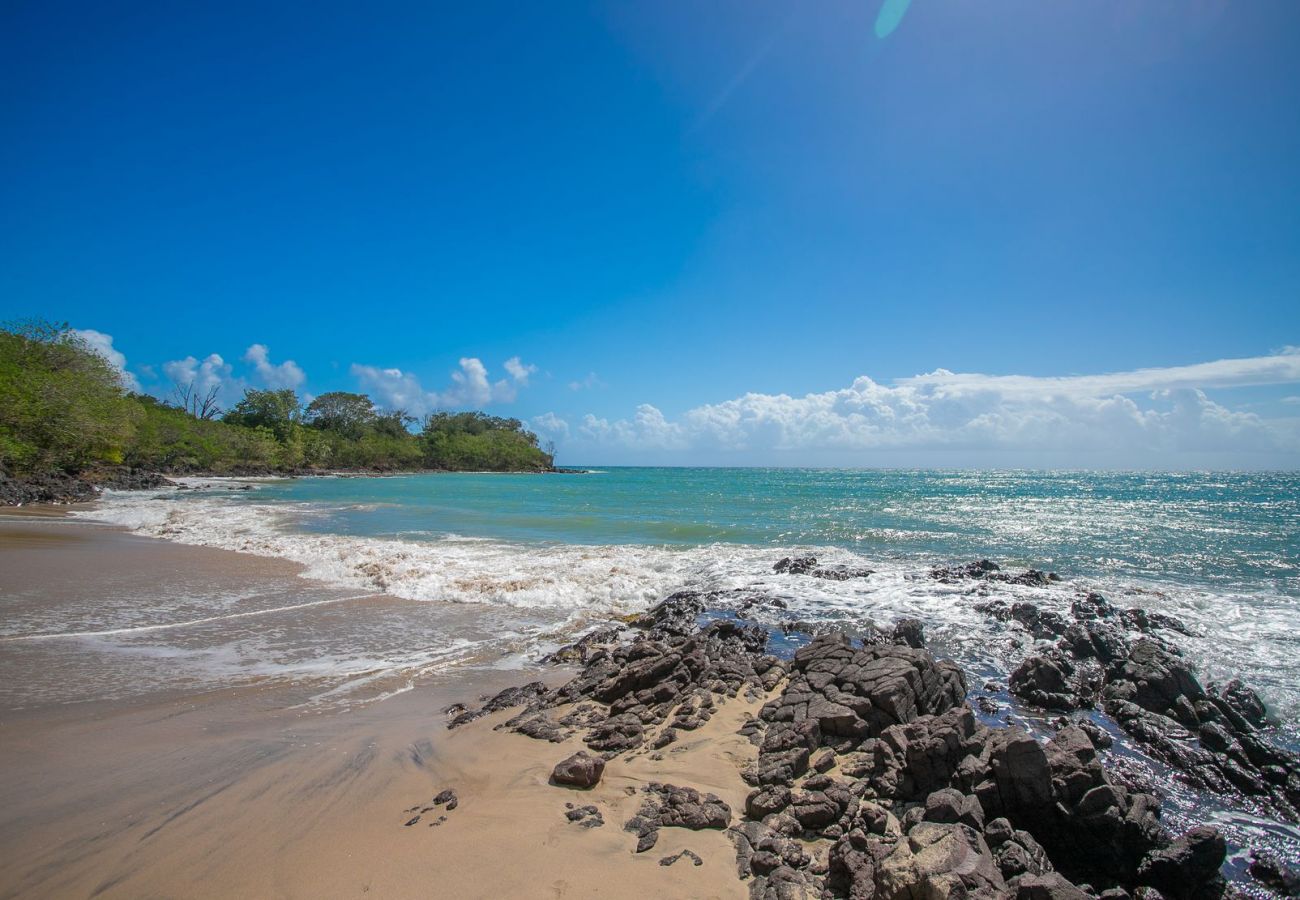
x=62, y=488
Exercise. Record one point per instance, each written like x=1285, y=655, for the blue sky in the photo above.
x=670, y=216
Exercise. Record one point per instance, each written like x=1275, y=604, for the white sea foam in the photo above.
x=1235, y=634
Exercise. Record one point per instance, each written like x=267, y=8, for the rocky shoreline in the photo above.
x=61, y=488
x=875, y=776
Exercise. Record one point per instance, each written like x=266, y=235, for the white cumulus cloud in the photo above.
x=550, y=425
x=103, y=345
x=394, y=389
x=519, y=371
x=1147, y=416
x=287, y=374
x=470, y=385
x=212, y=372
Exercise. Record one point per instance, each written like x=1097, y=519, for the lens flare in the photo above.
x=891, y=13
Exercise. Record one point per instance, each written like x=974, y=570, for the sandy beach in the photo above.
x=241, y=792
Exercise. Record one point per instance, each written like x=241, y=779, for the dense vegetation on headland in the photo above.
x=63, y=409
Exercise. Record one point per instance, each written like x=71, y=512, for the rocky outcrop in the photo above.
x=807, y=565
x=1118, y=660
x=858, y=692
x=670, y=806
x=61, y=488
x=44, y=489
x=910, y=632
x=1188, y=867
x=664, y=679
x=986, y=570
x=939, y=860
x=874, y=778
x=1273, y=874
x=124, y=478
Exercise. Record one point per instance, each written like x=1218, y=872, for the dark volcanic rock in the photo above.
x=684, y=807
x=1043, y=625
x=795, y=565
x=1241, y=700
x=807, y=565
x=602, y=640
x=670, y=806
x=873, y=776
x=840, y=573
x=1157, y=681
x=1156, y=699
x=586, y=816
x=672, y=668
x=910, y=632
x=1212, y=737
x=1188, y=867
x=617, y=734
x=684, y=854
x=529, y=695
x=124, y=478
x=579, y=770
x=950, y=574
x=1047, y=886
x=1269, y=871
x=859, y=692
x=939, y=860
x=58, y=488
x=1053, y=681
x=767, y=800
x=1145, y=621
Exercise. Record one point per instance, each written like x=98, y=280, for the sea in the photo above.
x=559, y=552
x=410, y=577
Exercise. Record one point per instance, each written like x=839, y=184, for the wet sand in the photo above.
x=243, y=791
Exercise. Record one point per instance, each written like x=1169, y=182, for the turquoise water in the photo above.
x=558, y=553
x=1225, y=530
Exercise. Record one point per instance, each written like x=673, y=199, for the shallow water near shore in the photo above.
x=1220, y=551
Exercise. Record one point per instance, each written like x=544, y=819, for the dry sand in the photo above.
x=233, y=793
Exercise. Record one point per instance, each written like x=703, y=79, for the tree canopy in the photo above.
x=278, y=411
x=342, y=412
x=63, y=407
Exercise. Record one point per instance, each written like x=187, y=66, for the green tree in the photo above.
x=62, y=405
x=393, y=424
x=477, y=441
x=278, y=411
x=342, y=413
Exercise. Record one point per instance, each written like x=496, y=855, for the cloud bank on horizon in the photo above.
x=1143, y=417
x=1127, y=418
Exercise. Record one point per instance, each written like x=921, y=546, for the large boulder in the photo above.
x=1158, y=681
x=1048, y=886
x=1047, y=680
x=579, y=770
x=684, y=807
x=859, y=692
x=1188, y=867
x=939, y=860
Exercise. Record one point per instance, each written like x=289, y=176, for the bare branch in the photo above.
x=201, y=406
